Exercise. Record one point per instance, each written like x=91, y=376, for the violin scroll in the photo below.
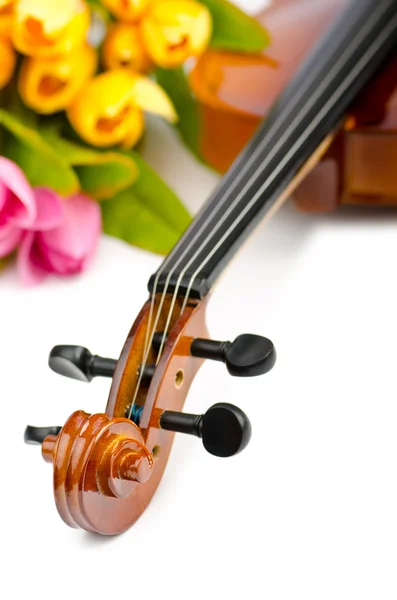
x=107, y=466
x=97, y=461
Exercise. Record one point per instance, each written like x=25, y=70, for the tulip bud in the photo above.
x=6, y=6
x=108, y=110
x=175, y=30
x=7, y=62
x=45, y=28
x=48, y=85
x=123, y=47
x=104, y=114
x=63, y=239
x=127, y=10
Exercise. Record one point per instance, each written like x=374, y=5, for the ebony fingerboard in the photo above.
x=311, y=107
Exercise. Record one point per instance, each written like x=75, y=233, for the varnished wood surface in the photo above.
x=106, y=469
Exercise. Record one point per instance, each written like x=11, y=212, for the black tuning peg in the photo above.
x=77, y=362
x=249, y=355
x=224, y=429
x=37, y=435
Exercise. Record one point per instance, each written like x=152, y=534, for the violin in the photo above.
x=358, y=167
x=107, y=466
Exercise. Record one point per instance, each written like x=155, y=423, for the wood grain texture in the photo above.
x=106, y=469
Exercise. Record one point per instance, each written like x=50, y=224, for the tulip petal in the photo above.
x=176, y=30
x=48, y=85
x=126, y=10
x=21, y=206
x=70, y=246
x=8, y=60
x=10, y=237
x=149, y=96
x=123, y=47
x=49, y=210
x=30, y=268
x=105, y=112
x=4, y=193
x=48, y=28
x=61, y=264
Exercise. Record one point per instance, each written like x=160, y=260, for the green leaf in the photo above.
x=148, y=214
x=234, y=30
x=175, y=83
x=41, y=165
x=159, y=197
x=126, y=217
x=101, y=174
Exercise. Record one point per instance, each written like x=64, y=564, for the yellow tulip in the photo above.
x=7, y=62
x=127, y=10
x=6, y=15
x=44, y=28
x=123, y=47
x=174, y=30
x=48, y=85
x=6, y=7
x=109, y=109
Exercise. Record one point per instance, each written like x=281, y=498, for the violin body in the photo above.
x=237, y=91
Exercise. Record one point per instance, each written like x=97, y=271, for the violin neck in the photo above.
x=308, y=111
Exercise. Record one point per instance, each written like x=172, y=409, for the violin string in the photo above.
x=362, y=63
x=147, y=345
x=222, y=201
x=253, y=157
x=224, y=183
x=145, y=349
x=285, y=136
x=192, y=281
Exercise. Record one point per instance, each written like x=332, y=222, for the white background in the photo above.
x=309, y=509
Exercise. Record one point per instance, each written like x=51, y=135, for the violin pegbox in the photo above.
x=107, y=466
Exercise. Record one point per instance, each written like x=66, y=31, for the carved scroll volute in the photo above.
x=106, y=468
x=95, y=456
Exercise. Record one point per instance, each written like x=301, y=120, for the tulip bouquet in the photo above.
x=76, y=79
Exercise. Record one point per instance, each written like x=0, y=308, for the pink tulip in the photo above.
x=63, y=238
x=18, y=209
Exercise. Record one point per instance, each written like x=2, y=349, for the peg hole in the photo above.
x=179, y=377
x=156, y=451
